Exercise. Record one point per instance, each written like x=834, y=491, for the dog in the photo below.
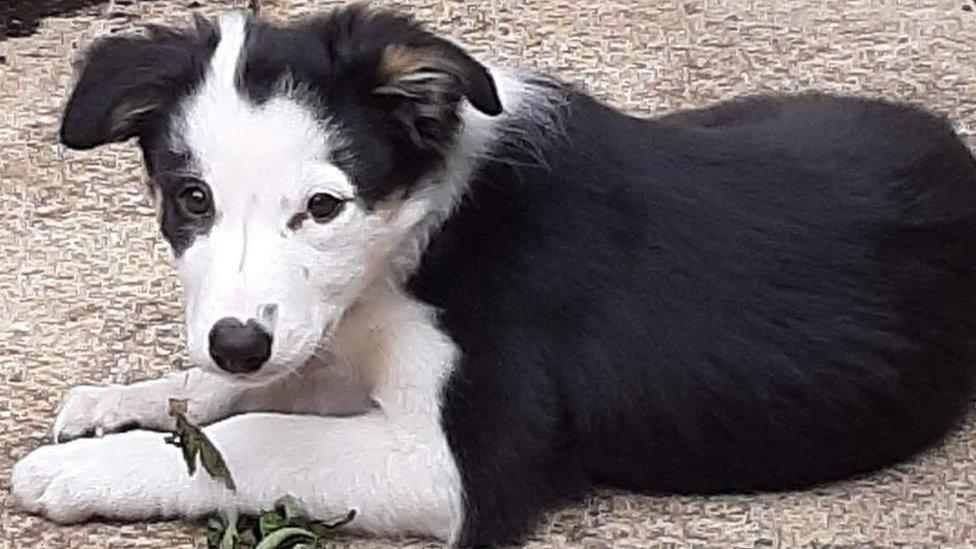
x=451, y=297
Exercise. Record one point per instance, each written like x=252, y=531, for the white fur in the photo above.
x=346, y=338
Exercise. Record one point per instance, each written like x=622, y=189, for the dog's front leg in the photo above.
x=315, y=388
x=89, y=410
x=399, y=476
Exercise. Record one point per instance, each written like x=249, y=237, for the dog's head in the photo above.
x=289, y=164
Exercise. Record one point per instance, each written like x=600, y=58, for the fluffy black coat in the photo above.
x=759, y=296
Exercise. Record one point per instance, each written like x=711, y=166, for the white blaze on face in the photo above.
x=263, y=163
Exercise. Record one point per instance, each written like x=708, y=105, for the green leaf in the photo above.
x=190, y=452
x=289, y=507
x=251, y=532
x=193, y=442
x=214, y=463
x=286, y=537
x=321, y=527
x=271, y=521
x=229, y=540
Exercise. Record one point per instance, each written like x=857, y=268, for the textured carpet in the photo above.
x=87, y=292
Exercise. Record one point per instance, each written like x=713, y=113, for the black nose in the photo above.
x=239, y=348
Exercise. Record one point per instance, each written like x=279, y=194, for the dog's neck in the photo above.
x=530, y=111
x=532, y=106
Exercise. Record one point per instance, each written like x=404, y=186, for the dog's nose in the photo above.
x=239, y=348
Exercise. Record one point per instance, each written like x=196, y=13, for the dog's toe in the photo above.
x=88, y=411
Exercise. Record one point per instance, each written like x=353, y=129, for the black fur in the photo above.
x=171, y=174
x=759, y=296
x=129, y=84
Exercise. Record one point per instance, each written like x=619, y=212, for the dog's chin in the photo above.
x=253, y=379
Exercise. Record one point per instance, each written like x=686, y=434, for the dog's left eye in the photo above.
x=195, y=199
x=323, y=207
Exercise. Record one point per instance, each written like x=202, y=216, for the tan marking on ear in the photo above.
x=399, y=61
x=430, y=84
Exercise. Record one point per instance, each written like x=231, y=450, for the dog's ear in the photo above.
x=127, y=82
x=424, y=83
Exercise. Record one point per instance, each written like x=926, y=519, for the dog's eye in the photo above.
x=195, y=199
x=323, y=207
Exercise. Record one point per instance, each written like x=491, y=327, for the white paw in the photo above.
x=132, y=475
x=94, y=411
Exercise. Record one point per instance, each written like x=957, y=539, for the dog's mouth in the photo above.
x=254, y=379
x=248, y=379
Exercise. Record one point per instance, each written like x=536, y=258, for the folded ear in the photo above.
x=426, y=82
x=129, y=82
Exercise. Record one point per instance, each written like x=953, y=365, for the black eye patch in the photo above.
x=187, y=205
x=187, y=210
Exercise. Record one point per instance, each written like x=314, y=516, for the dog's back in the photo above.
x=762, y=295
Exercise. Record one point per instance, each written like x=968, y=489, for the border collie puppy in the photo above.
x=451, y=297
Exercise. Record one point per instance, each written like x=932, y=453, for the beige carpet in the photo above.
x=87, y=294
